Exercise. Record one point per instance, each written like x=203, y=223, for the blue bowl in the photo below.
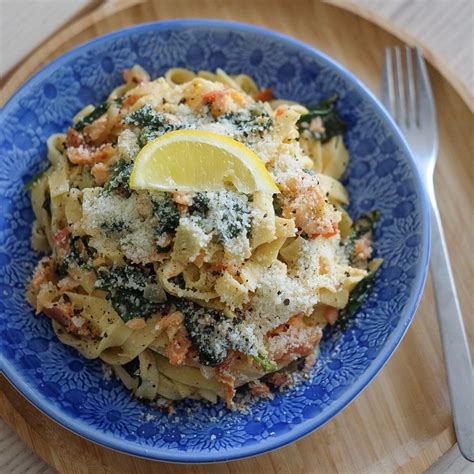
x=381, y=175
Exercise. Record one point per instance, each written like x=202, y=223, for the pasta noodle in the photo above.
x=246, y=84
x=192, y=295
x=334, y=157
x=179, y=75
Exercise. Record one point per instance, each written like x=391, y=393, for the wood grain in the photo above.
x=428, y=23
x=402, y=421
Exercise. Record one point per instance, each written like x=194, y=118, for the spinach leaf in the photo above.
x=356, y=299
x=148, y=134
x=200, y=204
x=120, y=179
x=214, y=335
x=233, y=225
x=80, y=254
x=332, y=124
x=114, y=227
x=249, y=122
x=224, y=212
x=94, y=115
x=277, y=206
x=152, y=124
x=208, y=330
x=126, y=290
x=166, y=211
x=145, y=117
x=235, y=220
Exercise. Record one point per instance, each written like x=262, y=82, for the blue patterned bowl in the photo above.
x=382, y=175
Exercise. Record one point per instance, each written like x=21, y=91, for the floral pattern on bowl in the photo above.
x=381, y=175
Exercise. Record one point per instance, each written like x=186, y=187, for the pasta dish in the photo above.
x=192, y=293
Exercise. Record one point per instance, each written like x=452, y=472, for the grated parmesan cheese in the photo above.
x=190, y=240
x=127, y=145
x=278, y=297
x=128, y=221
x=230, y=217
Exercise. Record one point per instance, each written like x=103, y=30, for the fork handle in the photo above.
x=457, y=356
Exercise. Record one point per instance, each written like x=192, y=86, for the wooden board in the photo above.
x=402, y=421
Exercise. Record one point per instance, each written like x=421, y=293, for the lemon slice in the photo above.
x=195, y=160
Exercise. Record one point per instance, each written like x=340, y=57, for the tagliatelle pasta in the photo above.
x=193, y=294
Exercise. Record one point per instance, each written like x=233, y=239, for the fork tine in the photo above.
x=387, y=92
x=412, y=116
x=426, y=107
x=400, y=107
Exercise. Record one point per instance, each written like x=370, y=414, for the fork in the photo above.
x=406, y=94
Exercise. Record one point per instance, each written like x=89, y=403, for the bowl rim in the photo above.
x=305, y=428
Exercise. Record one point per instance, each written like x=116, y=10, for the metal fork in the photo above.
x=406, y=94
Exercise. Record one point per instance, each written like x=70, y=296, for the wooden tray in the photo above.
x=402, y=421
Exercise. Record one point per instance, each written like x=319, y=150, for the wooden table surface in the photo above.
x=433, y=21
